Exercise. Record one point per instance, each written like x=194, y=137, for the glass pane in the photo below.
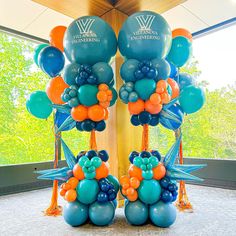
x=211, y=132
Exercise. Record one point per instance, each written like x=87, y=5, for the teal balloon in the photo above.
x=101, y=214
x=75, y=213
x=185, y=80
x=87, y=191
x=149, y=191
x=39, y=105
x=114, y=96
x=192, y=99
x=71, y=71
x=180, y=52
x=127, y=70
x=145, y=87
x=37, y=50
x=114, y=181
x=87, y=94
x=147, y=174
x=103, y=72
x=162, y=214
x=136, y=213
x=88, y=40
x=145, y=35
x=163, y=68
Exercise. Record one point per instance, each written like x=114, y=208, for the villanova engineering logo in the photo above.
x=85, y=25
x=145, y=23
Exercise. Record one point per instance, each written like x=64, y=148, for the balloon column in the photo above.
x=156, y=93
x=81, y=95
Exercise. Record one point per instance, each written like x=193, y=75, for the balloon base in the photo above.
x=53, y=211
x=184, y=206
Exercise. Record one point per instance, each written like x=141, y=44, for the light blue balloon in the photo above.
x=71, y=71
x=87, y=94
x=101, y=214
x=133, y=97
x=127, y=70
x=162, y=214
x=87, y=191
x=136, y=212
x=192, y=99
x=145, y=87
x=185, y=80
x=145, y=35
x=114, y=96
x=39, y=105
x=163, y=68
x=103, y=72
x=114, y=181
x=75, y=213
x=88, y=40
x=74, y=102
x=149, y=191
x=180, y=52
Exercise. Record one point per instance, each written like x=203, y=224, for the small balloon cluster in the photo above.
x=153, y=87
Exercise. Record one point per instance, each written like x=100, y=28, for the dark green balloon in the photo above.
x=39, y=105
x=37, y=50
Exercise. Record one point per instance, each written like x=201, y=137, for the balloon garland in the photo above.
x=80, y=96
x=156, y=93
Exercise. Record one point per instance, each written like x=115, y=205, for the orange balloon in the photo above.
x=155, y=98
x=66, y=186
x=73, y=182
x=56, y=37
x=62, y=192
x=182, y=32
x=162, y=84
x=102, y=96
x=159, y=171
x=96, y=113
x=134, y=171
x=79, y=113
x=102, y=171
x=165, y=98
x=133, y=197
x=123, y=191
x=175, y=88
x=124, y=179
x=78, y=172
x=103, y=87
x=55, y=88
x=134, y=182
x=136, y=107
x=125, y=186
x=151, y=108
x=71, y=195
x=104, y=104
x=130, y=191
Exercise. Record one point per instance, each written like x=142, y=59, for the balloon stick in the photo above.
x=183, y=204
x=145, y=138
x=93, y=143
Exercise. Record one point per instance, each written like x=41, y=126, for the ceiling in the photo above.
x=34, y=19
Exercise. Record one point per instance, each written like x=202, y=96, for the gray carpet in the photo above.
x=214, y=214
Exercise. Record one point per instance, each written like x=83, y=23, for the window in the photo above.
x=211, y=132
x=23, y=138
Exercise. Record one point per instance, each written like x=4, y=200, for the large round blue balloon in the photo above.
x=71, y=71
x=145, y=35
x=172, y=118
x=37, y=50
x=39, y=105
x=89, y=40
x=87, y=191
x=162, y=214
x=185, y=80
x=192, y=98
x=101, y=214
x=145, y=87
x=87, y=94
x=103, y=72
x=180, y=51
x=136, y=212
x=163, y=68
x=51, y=61
x=75, y=213
x=127, y=70
x=149, y=191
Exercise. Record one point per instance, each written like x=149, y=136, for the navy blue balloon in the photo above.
x=144, y=154
x=136, y=212
x=100, y=126
x=166, y=196
x=87, y=125
x=103, y=155
x=135, y=120
x=128, y=69
x=173, y=70
x=51, y=61
x=88, y=40
x=91, y=153
x=144, y=117
x=172, y=187
x=102, y=197
x=162, y=67
x=71, y=71
x=175, y=122
x=154, y=120
x=157, y=154
x=145, y=35
x=75, y=213
x=185, y=80
x=132, y=155
x=60, y=118
x=164, y=182
x=104, y=187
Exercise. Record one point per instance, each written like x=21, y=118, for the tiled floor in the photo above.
x=214, y=214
